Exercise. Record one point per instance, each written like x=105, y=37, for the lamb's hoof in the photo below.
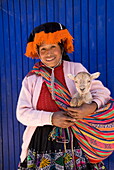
x=73, y=104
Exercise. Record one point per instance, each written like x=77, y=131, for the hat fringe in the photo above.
x=50, y=38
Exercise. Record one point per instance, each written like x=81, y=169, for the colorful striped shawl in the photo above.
x=95, y=133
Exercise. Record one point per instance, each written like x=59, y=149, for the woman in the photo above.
x=44, y=103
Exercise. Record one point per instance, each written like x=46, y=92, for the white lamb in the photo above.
x=83, y=83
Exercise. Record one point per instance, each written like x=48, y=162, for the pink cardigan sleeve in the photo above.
x=26, y=111
x=100, y=94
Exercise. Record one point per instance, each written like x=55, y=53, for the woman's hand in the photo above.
x=61, y=119
x=82, y=111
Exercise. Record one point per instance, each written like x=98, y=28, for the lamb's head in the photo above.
x=83, y=81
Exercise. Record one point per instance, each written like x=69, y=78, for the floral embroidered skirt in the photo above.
x=44, y=154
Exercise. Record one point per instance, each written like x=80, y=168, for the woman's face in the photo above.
x=50, y=54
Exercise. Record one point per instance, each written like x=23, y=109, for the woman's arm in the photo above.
x=26, y=113
x=82, y=111
x=29, y=116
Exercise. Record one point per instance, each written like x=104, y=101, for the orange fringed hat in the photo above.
x=49, y=33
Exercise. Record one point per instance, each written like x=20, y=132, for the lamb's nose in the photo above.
x=82, y=89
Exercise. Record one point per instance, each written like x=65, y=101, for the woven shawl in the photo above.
x=95, y=133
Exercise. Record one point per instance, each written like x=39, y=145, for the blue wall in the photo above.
x=91, y=22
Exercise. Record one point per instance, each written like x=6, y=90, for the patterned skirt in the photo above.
x=44, y=154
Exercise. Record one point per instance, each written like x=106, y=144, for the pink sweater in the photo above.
x=30, y=91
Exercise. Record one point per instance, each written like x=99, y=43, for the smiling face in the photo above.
x=50, y=54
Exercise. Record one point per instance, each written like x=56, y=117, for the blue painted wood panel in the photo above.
x=91, y=22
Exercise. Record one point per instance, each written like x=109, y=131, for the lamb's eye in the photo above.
x=76, y=82
x=89, y=81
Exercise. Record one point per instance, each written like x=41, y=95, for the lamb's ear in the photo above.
x=95, y=75
x=70, y=76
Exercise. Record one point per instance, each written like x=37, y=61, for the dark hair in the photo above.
x=64, y=55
